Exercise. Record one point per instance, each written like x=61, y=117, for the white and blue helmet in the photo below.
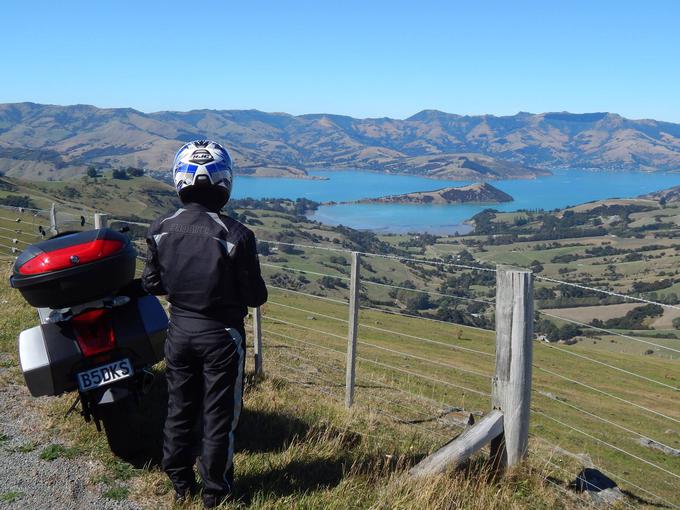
x=202, y=163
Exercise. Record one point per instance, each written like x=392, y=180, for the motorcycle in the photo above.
x=95, y=337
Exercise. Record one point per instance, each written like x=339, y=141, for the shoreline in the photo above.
x=340, y=199
x=432, y=177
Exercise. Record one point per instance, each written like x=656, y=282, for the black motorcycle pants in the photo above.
x=204, y=370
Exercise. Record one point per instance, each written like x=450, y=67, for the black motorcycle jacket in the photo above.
x=206, y=263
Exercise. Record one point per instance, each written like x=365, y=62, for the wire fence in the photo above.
x=425, y=357
x=426, y=354
x=617, y=408
x=22, y=226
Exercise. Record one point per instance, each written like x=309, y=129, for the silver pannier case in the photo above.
x=49, y=367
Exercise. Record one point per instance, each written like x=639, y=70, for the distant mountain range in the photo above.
x=42, y=141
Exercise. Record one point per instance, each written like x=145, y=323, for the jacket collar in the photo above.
x=194, y=206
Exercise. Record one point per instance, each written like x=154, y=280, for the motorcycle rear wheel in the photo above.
x=119, y=428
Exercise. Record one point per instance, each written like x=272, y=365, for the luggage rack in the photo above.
x=53, y=316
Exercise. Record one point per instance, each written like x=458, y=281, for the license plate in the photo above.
x=104, y=374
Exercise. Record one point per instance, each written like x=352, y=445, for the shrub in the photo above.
x=120, y=174
x=17, y=201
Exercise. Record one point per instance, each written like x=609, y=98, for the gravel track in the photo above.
x=29, y=482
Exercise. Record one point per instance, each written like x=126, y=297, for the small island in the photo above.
x=479, y=193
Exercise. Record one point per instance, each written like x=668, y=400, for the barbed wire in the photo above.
x=307, y=246
x=394, y=257
x=411, y=316
x=480, y=268
x=609, y=445
x=409, y=394
x=343, y=354
x=334, y=335
x=581, y=497
x=304, y=271
x=11, y=220
x=618, y=369
x=607, y=292
x=13, y=249
x=366, y=307
x=553, y=446
x=327, y=382
x=317, y=314
x=377, y=411
x=420, y=358
x=19, y=231
x=312, y=362
x=422, y=376
x=429, y=261
x=15, y=240
x=578, y=497
x=415, y=374
x=403, y=422
x=314, y=296
x=23, y=209
x=393, y=351
x=605, y=393
x=428, y=340
x=401, y=406
x=431, y=292
x=309, y=344
x=610, y=332
x=563, y=402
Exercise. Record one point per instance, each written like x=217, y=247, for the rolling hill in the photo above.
x=669, y=195
x=42, y=141
x=474, y=193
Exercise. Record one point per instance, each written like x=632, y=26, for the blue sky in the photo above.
x=369, y=58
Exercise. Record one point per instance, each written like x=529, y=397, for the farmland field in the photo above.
x=426, y=341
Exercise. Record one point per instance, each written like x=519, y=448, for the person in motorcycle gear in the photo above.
x=207, y=265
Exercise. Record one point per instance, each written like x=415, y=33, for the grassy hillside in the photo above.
x=140, y=197
x=294, y=450
x=426, y=351
x=305, y=338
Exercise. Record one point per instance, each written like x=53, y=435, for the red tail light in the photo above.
x=94, y=332
x=71, y=256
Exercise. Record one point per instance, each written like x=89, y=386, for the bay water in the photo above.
x=565, y=187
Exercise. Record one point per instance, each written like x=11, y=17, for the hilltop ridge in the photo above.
x=41, y=141
x=667, y=195
x=473, y=193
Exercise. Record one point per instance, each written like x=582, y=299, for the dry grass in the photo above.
x=295, y=452
x=298, y=448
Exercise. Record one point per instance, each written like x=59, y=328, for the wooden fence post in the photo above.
x=101, y=220
x=53, y=219
x=511, y=385
x=257, y=334
x=352, y=330
x=462, y=448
